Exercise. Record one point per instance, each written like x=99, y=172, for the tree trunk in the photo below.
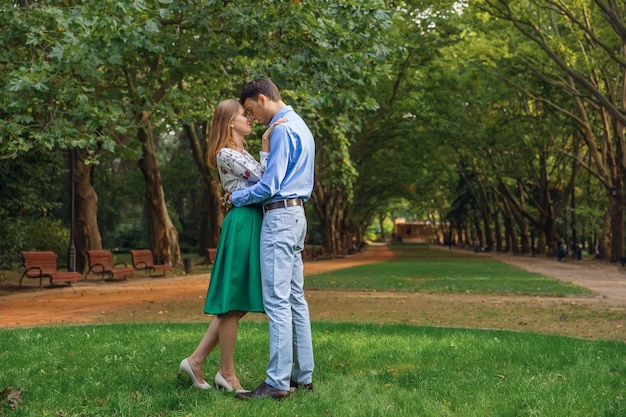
x=540, y=247
x=619, y=202
x=86, y=232
x=461, y=239
x=211, y=217
x=381, y=222
x=212, y=212
x=330, y=205
x=604, y=241
x=497, y=229
x=617, y=225
x=486, y=218
x=524, y=236
x=511, y=237
x=163, y=234
x=478, y=233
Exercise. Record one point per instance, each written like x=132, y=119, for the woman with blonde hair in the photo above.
x=235, y=285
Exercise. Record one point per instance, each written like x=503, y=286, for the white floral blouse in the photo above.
x=239, y=169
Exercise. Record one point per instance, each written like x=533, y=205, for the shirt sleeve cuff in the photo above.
x=233, y=197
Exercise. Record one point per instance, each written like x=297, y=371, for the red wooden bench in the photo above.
x=101, y=263
x=43, y=264
x=210, y=256
x=143, y=260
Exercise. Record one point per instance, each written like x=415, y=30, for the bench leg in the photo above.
x=40, y=280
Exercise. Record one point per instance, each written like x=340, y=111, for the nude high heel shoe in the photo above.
x=220, y=382
x=186, y=368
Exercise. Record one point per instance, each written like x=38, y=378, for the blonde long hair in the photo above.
x=220, y=134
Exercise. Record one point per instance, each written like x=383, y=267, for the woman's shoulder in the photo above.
x=227, y=151
x=233, y=154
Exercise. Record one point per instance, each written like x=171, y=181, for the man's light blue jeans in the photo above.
x=282, y=276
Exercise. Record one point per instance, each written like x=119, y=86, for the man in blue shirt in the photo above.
x=285, y=187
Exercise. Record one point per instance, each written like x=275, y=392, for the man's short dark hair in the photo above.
x=260, y=86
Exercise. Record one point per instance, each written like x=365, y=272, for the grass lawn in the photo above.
x=418, y=268
x=361, y=369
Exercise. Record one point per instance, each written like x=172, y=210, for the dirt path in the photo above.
x=137, y=299
x=607, y=281
x=182, y=298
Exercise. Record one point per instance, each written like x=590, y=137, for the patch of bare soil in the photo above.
x=181, y=298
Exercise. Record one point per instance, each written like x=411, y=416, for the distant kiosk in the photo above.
x=415, y=232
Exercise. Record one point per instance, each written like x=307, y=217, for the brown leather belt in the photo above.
x=282, y=204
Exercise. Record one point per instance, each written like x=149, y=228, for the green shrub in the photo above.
x=12, y=242
x=28, y=233
x=128, y=236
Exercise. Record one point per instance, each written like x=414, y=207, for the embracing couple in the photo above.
x=258, y=264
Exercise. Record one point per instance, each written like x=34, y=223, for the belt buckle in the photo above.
x=267, y=207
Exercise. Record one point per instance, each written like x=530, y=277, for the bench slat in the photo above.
x=143, y=260
x=43, y=264
x=101, y=263
x=210, y=255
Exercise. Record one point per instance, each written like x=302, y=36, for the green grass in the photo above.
x=418, y=268
x=361, y=370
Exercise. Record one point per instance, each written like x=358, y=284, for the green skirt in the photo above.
x=236, y=275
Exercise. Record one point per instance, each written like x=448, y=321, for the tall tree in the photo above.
x=586, y=46
x=326, y=57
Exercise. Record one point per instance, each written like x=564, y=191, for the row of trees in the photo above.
x=501, y=121
x=566, y=62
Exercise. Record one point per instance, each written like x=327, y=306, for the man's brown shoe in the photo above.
x=264, y=390
x=295, y=385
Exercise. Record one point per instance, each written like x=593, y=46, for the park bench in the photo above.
x=101, y=263
x=143, y=260
x=43, y=264
x=210, y=256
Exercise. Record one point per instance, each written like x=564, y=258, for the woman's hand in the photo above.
x=265, y=139
x=226, y=201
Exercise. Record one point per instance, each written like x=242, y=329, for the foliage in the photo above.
x=31, y=233
x=574, y=50
x=56, y=93
x=183, y=189
x=47, y=234
x=426, y=101
x=32, y=187
x=14, y=237
x=399, y=150
x=32, y=184
x=120, y=190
